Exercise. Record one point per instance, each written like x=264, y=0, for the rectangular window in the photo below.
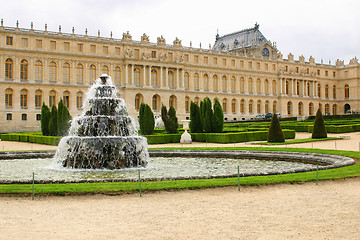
x=53, y=45
x=196, y=59
x=257, y=66
x=334, y=75
x=274, y=67
x=186, y=58
x=136, y=53
x=318, y=72
x=106, y=49
x=215, y=60
x=206, y=60
x=9, y=116
x=326, y=73
x=286, y=68
x=153, y=54
x=250, y=65
x=9, y=41
x=170, y=57
x=80, y=47
x=67, y=46
x=24, y=42
x=266, y=67
x=38, y=117
x=224, y=62
x=93, y=48
x=241, y=64
x=24, y=116
x=297, y=69
x=307, y=71
x=233, y=62
x=117, y=51
x=38, y=43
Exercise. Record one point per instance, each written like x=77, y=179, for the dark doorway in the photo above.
x=347, y=108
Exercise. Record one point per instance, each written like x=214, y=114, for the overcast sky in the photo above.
x=326, y=30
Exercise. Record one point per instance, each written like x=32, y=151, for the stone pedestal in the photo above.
x=186, y=137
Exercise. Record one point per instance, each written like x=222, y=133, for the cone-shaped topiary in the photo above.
x=45, y=119
x=275, y=133
x=218, y=122
x=148, y=121
x=208, y=115
x=195, y=118
x=170, y=120
x=53, y=121
x=141, y=116
x=319, y=129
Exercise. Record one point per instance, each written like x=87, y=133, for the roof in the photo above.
x=245, y=38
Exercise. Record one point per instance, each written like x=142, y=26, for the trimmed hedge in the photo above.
x=18, y=137
x=164, y=138
x=339, y=128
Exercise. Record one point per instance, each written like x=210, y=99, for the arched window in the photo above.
x=224, y=83
x=80, y=74
x=334, y=109
x=274, y=107
x=233, y=106
x=186, y=80
x=258, y=106
x=326, y=91
x=250, y=85
x=66, y=73
x=154, y=78
x=66, y=98
x=105, y=69
x=187, y=104
x=23, y=98
x=266, y=87
x=216, y=83
x=9, y=63
x=172, y=84
x=258, y=86
x=24, y=70
x=52, y=72
x=289, y=108
x=273, y=87
x=156, y=103
x=138, y=100
x=196, y=81
x=334, y=92
x=224, y=105
x=117, y=76
x=52, y=98
x=242, y=85
x=233, y=84
x=38, y=99
x=92, y=74
x=300, y=109
x=137, y=80
x=79, y=99
x=242, y=106
x=197, y=101
x=38, y=71
x=9, y=97
x=172, y=101
x=251, y=106
x=206, y=82
x=266, y=106
x=347, y=92
x=318, y=90
x=327, y=109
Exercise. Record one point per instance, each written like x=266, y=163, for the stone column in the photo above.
x=144, y=76
x=166, y=77
x=281, y=85
x=177, y=78
x=132, y=75
x=149, y=80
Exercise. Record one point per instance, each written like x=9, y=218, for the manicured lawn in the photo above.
x=305, y=140
x=118, y=187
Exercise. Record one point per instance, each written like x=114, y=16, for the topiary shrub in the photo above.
x=45, y=119
x=63, y=119
x=275, y=133
x=195, y=118
x=319, y=129
x=170, y=120
x=207, y=115
x=53, y=121
x=141, y=116
x=148, y=124
x=218, y=122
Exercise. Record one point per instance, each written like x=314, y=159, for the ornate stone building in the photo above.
x=244, y=70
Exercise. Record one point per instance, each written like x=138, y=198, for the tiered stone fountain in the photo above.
x=104, y=136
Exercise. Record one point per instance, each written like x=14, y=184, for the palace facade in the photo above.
x=244, y=70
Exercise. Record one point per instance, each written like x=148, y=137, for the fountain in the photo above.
x=104, y=136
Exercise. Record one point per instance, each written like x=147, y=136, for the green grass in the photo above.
x=118, y=187
x=299, y=141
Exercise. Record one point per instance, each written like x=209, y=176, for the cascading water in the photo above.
x=104, y=136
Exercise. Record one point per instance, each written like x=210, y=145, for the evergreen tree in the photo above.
x=275, y=133
x=319, y=129
x=45, y=119
x=66, y=118
x=173, y=121
x=60, y=123
x=195, y=118
x=53, y=121
x=165, y=117
x=148, y=121
x=218, y=122
x=207, y=120
x=141, y=116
